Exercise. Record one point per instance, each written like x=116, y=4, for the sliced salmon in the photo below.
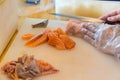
x=34, y=38
x=38, y=39
x=55, y=41
x=57, y=38
x=46, y=68
x=27, y=36
x=60, y=31
x=69, y=43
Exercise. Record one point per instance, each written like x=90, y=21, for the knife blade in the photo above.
x=81, y=18
x=86, y=19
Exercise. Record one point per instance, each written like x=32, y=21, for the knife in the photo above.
x=86, y=19
x=81, y=18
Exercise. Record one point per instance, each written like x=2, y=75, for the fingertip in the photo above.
x=102, y=18
x=111, y=19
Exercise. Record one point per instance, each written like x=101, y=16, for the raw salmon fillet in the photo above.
x=55, y=41
x=56, y=38
x=69, y=43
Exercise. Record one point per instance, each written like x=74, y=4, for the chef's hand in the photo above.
x=113, y=16
x=104, y=37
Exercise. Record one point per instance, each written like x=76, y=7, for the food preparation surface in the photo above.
x=83, y=62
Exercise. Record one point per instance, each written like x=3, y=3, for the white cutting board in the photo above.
x=80, y=63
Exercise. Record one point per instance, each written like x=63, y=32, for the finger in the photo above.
x=104, y=17
x=87, y=32
x=89, y=39
x=114, y=18
x=90, y=26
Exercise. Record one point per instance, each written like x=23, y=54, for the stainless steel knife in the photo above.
x=81, y=18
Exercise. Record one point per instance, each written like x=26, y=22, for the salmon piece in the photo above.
x=46, y=68
x=59, y=31
x=38, y=39
x=69, y=43
x=27, y=36
x=55, y=41
x=47, y=31
x=34, y=38
x=57, y=38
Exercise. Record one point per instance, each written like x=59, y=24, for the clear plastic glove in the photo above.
x=112, y=16
x=104, y=37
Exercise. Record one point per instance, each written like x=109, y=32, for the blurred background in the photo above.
x=89, y=8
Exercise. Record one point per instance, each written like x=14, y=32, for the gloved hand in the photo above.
x=104, y=37
x=112, y=16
